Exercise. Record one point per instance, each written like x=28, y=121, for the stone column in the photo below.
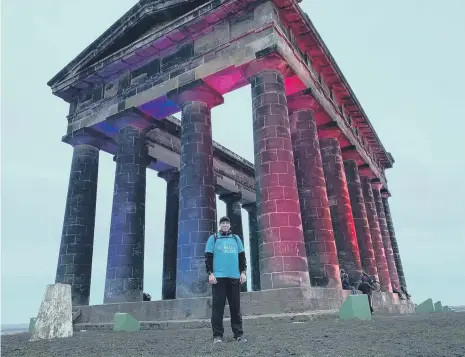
x=197, y=197
x=341, y=211
x=392, y=234
x=376, y=238
x=234, y=212
x=125, y=264
x=170, y=246
x=386, y=238
x=362, y=227
x=320, y=244
x=77, y=239
x=251, y=209
x=283, y=261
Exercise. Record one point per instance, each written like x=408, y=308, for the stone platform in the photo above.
x=256, y=303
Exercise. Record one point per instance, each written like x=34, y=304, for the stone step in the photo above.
x=205, y=323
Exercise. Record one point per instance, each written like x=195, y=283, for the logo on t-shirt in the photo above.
x=227, y=248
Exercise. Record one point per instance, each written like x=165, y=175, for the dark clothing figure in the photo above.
x=226, y=265
x=346, y=284
x=146, y=297
x=226, y=288
x=367, y=287
x=404, y=290
x=398, y=292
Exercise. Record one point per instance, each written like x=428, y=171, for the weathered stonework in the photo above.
x=283, y=261
x=386, y=238
x=77, y=239
x=254, y=242
x=170, y=247
x=392, y=235
x=314, y=206
x=197, y=199
x=125, y=265
x=362, y=227
x=341, y=210
x=376, y=238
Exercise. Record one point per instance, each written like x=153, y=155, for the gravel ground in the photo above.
x=435, y=335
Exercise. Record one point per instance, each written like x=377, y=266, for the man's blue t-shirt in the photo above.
x=225, y=251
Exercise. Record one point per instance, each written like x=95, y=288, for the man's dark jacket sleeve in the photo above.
x=209, y=262
x=242, y=262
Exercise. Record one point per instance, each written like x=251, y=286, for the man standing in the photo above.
x=226, y=267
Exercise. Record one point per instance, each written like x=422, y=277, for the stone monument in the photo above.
x=316, y=194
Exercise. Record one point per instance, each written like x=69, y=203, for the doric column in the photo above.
x=251, y=209
x=234, y=213
x=125, y=263
x=385, y=235
x=392, y=234
x=362, y=227
x=314, y=206
x=376, y=238
x=283, y=261
x=341, y=211
x=77, y=240
x=170, y=246
x=197, y=197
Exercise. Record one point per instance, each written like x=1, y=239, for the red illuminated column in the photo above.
x=376, y=238
x=362, y=227
x=341, y=211
x=283, y=261
x=386, y=237
x=314, y=206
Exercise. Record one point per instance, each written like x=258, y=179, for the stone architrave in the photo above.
x=77, y=240
x=392, y=235
x=197, y=197
x=125, y=263
x=386, y=238
x=320, y=244
x=170, y=247
x=283, y=260
x=54, y=319
x=234, y=213
x=376, y=238
x=341, y=210
x=254, y=243
x=362, y=227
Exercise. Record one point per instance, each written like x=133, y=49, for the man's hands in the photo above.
x=243, y=278
x=212, y=279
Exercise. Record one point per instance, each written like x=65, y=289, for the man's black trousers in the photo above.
x=226, y=288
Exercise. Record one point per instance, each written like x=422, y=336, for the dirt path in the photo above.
x=435, y=335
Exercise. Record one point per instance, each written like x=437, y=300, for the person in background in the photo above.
x=146, y=297
x=367, y=288
x=226, y=266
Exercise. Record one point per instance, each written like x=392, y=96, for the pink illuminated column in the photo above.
x=376, y=238
x=283, y=261
x=341, y=210
x=314, y=206
x=386, y=237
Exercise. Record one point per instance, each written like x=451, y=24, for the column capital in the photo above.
x=269, y=61
x=231, y=197
x=131, y=117
x=302, y=101
x=196, y=91
x=250, y=207
x=330, y=131
x=85, y=136
x=376, y=184
x=169, y=175
x=385, y=193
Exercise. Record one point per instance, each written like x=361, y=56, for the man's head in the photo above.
x=225, y=224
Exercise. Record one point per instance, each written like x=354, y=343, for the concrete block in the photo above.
x=55, y=314
x=425, y=307
x=355, y=307
x=125, y=323
x=446, y=308
x=438, y=306
x=32, y=324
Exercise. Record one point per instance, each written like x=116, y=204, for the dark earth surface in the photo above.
x=432, y=335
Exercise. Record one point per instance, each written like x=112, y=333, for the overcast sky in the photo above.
x=404, y=60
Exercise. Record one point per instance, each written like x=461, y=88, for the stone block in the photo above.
x=355, y=307
x=425, y=307
x=55, y=314
x=124, y=322
x=446, y=308
x=32, y=324
x=438, y=306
